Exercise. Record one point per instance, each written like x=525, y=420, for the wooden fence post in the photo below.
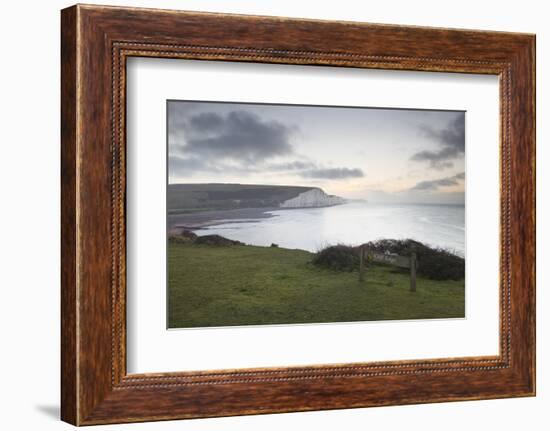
x=413, y=272
x=361, y=263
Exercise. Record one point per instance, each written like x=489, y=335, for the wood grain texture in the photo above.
x=69, y=366
x=96, y=41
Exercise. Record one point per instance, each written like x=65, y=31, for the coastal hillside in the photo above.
x=185, y=198
x=274, y=285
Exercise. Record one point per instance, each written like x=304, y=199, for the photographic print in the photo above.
x=296, y=214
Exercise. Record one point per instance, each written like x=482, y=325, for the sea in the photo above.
x=352, y=223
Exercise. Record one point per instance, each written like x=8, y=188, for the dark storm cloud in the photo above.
x=206, y=121
x=309, y=169
x=209, y=139
x=332, y=173
x=239, y=135
x=436, y=184
x=450, y=140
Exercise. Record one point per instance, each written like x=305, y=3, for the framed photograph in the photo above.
x=270, y=221
x=264, y=214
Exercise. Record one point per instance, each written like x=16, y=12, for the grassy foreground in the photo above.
x=248, y=285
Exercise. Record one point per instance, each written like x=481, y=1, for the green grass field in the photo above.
x=248, y=285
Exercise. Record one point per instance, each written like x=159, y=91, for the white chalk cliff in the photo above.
x=311, y=199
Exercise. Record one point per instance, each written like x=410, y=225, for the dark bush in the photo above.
x=434, y=263
x=188, y=234
x=183, y=237
x=216, y=240
x=337, y=257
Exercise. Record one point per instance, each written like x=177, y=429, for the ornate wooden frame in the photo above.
x=95, y=42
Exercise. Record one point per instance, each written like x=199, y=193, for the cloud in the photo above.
x=451, y=142
x=239, y=142
x=428, y=192
x=433, y=185
x=238, y=135
x=309, y=169
x=189, y=165
x=332, y=173
x=295, y=165
x=460, y=176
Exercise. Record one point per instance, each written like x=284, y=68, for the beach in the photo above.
x=204, y=219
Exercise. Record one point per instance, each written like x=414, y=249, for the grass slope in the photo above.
x=248, y=285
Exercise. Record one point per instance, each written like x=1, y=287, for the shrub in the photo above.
x=216, y=240
x=435, y=263
x=337, y=257
x=184, y=237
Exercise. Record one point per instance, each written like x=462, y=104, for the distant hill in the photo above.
x=184, y=198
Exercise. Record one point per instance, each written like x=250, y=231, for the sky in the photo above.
x=381, y=155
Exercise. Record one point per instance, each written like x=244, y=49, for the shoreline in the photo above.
x=203, y=219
